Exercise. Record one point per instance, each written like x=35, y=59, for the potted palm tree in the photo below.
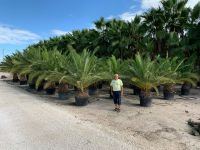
x=188, y=75
x=83, y=71
x=7, y=66
x=42, y=70
x=169, y=69
x=174, y=72
x=145, y=76
x=189, y=79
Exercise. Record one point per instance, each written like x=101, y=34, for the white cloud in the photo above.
x=92, y=26
x=58, y=32
x=146, y=4
x=128, y=16
x=110, y=17
x=10, y=35
x=192, y=3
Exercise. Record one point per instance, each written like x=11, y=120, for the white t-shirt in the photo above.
x=116, y=85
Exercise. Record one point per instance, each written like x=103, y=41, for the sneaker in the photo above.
x=115, y=109
x=118, y=109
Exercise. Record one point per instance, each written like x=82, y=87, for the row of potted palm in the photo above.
x=48, y=69
x=149, y=74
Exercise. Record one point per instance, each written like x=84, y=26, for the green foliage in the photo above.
x=7, y=64
x=170, y=30
x=83, y=70
x=116, y=66
x=145, y=73
x=175, y=71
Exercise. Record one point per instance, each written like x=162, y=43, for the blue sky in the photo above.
x=23, y=22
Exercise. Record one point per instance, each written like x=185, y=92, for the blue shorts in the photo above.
x=117, y=97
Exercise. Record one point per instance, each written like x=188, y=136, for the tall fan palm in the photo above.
x=176, y=14
x=192, y=42
x=167, y=25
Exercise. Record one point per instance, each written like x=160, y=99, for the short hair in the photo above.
x=116, y=74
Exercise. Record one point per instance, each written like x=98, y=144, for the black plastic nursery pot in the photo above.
x=27, y=77
x=100, y=85
x=93, y=91
x=168, y=95
x=23, y=82
x=40, y=88
x=15, y=80
x=50, y=91
x=75, y=88
x=145, y=100
x=81, y=100
x=198, y=84
x=185, y=89
x=31, y=85
x=61, y=96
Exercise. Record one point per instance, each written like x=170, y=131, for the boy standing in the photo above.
x=117, y=90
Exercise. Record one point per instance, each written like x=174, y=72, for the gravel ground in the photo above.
x=28, y=123
x=34, y=120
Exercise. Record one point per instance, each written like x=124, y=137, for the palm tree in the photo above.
x=167, y=25
x=59, y=69
x=50, y=62
x=20, y=61
x=145, y=75
x=174, y=71
x=192, y=41
x=115, y=66
x=83, y=71
x=7, y=66
x=37, y=64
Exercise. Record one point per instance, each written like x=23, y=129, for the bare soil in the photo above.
x=160, y=127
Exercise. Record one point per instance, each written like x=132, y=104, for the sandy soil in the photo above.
x=160, y=127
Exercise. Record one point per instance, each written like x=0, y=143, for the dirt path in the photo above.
x=28, y=123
